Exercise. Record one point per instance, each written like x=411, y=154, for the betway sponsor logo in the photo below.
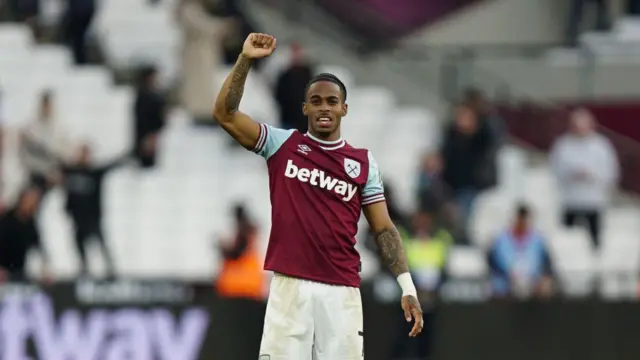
x=98, y=334
x=318, y=178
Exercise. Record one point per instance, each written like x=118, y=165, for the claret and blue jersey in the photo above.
x=318, y=189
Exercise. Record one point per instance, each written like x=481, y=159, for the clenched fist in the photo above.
x=258, y=46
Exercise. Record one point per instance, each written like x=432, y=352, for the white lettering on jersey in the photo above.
x=318, y=178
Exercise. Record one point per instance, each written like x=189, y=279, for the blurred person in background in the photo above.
x=427, y=251
x=232, y=45
x=290, y=90
x=18, y=235
x=77, y=21
x=633, y=7
x=203, y=34
x=468, y=152
x=519, y=261
x=241, y=275
x=26, y=11
x=44, y=143
x=83, y=184
x=576, y=15
x=478, y=101
x=586, y=167
x=434, y=195
x=150, y=117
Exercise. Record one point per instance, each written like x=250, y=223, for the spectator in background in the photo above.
x=150, y=117
x=290, y=90
x=77, y=20
x=26, y=11
x=232, y=45
x=203, y=34
x=434, y=196
x=519, y=261
x=242, y=275
x=576, y=14
x=43, y=145
x=427, y=251
x=468, y=152
x=478, y=101
x=586, y=166
x=633, y=7
x=18, y=235
x=83, y=185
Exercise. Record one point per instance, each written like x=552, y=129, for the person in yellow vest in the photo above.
x=427, y=249
x=242, y=275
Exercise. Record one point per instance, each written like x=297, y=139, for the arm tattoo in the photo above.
x=235, y=88
x=391, y=251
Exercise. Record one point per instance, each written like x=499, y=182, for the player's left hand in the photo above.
x=413, y=311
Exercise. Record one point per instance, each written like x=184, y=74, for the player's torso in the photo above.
x=316, y=202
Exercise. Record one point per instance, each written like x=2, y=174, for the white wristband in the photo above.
x=406, y=284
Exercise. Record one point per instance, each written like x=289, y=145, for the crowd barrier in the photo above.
x=173, y=321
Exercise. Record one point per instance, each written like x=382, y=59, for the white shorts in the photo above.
x=307, y=320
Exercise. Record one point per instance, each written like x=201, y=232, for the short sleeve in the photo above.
x=270, y=140
x=373, y=191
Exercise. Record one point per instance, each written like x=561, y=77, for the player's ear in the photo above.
x=304, y=108
x=345, y=109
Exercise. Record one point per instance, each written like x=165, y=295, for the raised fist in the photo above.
x=258, y=46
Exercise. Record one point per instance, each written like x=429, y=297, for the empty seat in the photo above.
x=573, y=259
x=466, y=262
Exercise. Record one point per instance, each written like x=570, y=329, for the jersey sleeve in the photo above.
x=373, y=191
x=270, y=140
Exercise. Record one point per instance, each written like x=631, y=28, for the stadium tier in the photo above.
x=162, y=223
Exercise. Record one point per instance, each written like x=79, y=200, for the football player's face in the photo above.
x=324, y=108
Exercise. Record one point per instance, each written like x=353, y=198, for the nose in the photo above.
x=325, y=107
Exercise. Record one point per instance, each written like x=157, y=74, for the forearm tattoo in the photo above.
x=391, y=251
x=235, y=89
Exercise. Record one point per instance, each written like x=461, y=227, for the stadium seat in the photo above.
x=465, y=262
x=15, y=38
x=574, y=260
x=511, y=168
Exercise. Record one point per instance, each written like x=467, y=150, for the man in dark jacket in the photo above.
x=18, y=235
x=290, y=91
x=83, y=184
x=469, y=152
x=149, y=115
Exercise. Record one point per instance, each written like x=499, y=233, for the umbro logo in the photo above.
x=304, y=149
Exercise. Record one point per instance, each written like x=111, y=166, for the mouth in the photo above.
x=324, y=121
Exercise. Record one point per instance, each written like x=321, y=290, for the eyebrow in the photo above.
x=328, y=96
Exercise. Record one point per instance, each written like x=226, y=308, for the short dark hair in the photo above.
x=330, y=78
x=523, y=211
x=145, y=73
x=239, y=211
x=46, y=95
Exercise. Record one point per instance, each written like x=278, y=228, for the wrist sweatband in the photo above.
x=406, y=284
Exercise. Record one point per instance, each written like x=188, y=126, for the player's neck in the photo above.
x=331, y=139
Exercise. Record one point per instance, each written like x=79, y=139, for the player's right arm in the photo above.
x=239, y=125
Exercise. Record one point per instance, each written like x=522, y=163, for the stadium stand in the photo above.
x=162, y=223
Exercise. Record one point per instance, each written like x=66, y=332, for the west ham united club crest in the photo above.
x=352, y=168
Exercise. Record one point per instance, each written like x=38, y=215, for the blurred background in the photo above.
x=507, y=132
